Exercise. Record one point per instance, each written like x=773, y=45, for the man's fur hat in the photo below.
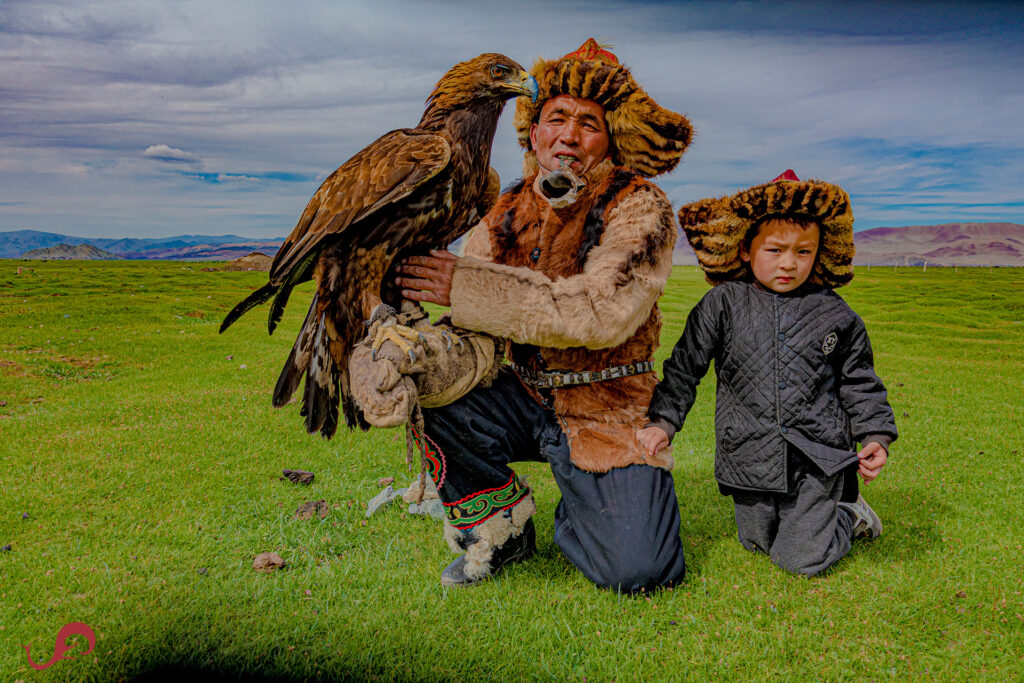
x=644, y=136
x=716, y=228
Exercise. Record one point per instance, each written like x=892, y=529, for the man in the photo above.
x=566, y=268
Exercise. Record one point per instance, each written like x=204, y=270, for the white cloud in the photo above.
x=895, y=106
x=170, y=154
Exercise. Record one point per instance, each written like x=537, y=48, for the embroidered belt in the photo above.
x=552, y=380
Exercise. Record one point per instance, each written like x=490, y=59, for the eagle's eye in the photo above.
x=498, y=71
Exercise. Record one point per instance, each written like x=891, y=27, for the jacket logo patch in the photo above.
x=830, y=342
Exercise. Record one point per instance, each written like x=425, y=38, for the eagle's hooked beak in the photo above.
x=526, y=85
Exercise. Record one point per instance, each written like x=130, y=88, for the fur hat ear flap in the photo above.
x=716, y=228
x=644, y=136
x=530, y=165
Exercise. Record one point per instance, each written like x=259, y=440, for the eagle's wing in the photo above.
x=386, y=171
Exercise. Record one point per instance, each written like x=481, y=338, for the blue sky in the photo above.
x=156, y=118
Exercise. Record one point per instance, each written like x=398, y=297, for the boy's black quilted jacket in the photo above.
x=792, y=369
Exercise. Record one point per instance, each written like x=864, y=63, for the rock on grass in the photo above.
x=309, y=509
x=268, y=562
x=297, y=476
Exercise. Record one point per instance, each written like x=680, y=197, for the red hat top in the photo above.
x=788, y=174
x=592, y=51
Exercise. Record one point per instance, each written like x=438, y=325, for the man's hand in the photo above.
x=433, y=277
x=872, y=460
x=652, y=438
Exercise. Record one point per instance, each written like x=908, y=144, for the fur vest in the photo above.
x=576, y=289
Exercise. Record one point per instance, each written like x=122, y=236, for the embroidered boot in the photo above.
x=866, y=523
x=506, y=537
x=464, y=572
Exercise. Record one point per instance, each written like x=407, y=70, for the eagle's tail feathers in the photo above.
x=298, y=360
x=254, y=299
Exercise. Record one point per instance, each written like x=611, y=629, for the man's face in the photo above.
x=782, y=254
x=573, y=129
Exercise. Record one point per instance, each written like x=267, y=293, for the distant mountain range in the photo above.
x=83, y=252
x=959, y=244
x=950, y=244
x=181, y=247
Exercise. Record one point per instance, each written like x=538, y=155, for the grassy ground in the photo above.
x=139, y=464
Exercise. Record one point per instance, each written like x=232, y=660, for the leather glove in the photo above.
x=444, y=364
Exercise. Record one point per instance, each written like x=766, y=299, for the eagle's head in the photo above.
x=490, y=77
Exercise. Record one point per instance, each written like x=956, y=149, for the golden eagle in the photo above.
x=412, y=189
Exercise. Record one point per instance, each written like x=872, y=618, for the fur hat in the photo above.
x=644, y=136
x=716, y=228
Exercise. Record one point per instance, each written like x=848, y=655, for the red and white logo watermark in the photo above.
x=61, y=647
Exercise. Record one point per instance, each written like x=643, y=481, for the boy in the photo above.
x=796, y=384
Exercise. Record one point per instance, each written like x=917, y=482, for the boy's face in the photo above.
x=782, y=254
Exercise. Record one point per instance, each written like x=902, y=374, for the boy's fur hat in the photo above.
x=644, y=136
x=717, y=227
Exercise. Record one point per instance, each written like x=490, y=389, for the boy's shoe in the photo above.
x=515, y=549
x=866, y=523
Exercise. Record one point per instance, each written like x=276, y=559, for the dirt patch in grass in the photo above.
x=65, y=368
x=9, y=367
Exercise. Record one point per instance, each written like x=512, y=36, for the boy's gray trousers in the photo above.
x=803, y=530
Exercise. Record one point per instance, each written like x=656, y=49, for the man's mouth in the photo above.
x=566, y=159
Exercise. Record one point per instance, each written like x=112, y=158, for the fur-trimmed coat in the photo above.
x=576, y=289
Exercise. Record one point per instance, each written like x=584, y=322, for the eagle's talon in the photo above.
x=405, y=338
x=448, y=337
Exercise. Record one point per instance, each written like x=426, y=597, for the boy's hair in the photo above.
x=800, y=222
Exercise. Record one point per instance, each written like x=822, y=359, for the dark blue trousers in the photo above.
x=620, y=528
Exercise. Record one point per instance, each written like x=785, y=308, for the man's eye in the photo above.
x=498, y=71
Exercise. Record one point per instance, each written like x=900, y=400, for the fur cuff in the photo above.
x=480, y=541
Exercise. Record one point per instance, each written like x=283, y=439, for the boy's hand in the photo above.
x=872, y=460
x=652, y=438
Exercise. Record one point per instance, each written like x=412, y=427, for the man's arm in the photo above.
x=601, y=307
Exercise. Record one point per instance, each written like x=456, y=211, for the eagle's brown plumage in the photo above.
x=412, y=189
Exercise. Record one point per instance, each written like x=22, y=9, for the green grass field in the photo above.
x=139, y=465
